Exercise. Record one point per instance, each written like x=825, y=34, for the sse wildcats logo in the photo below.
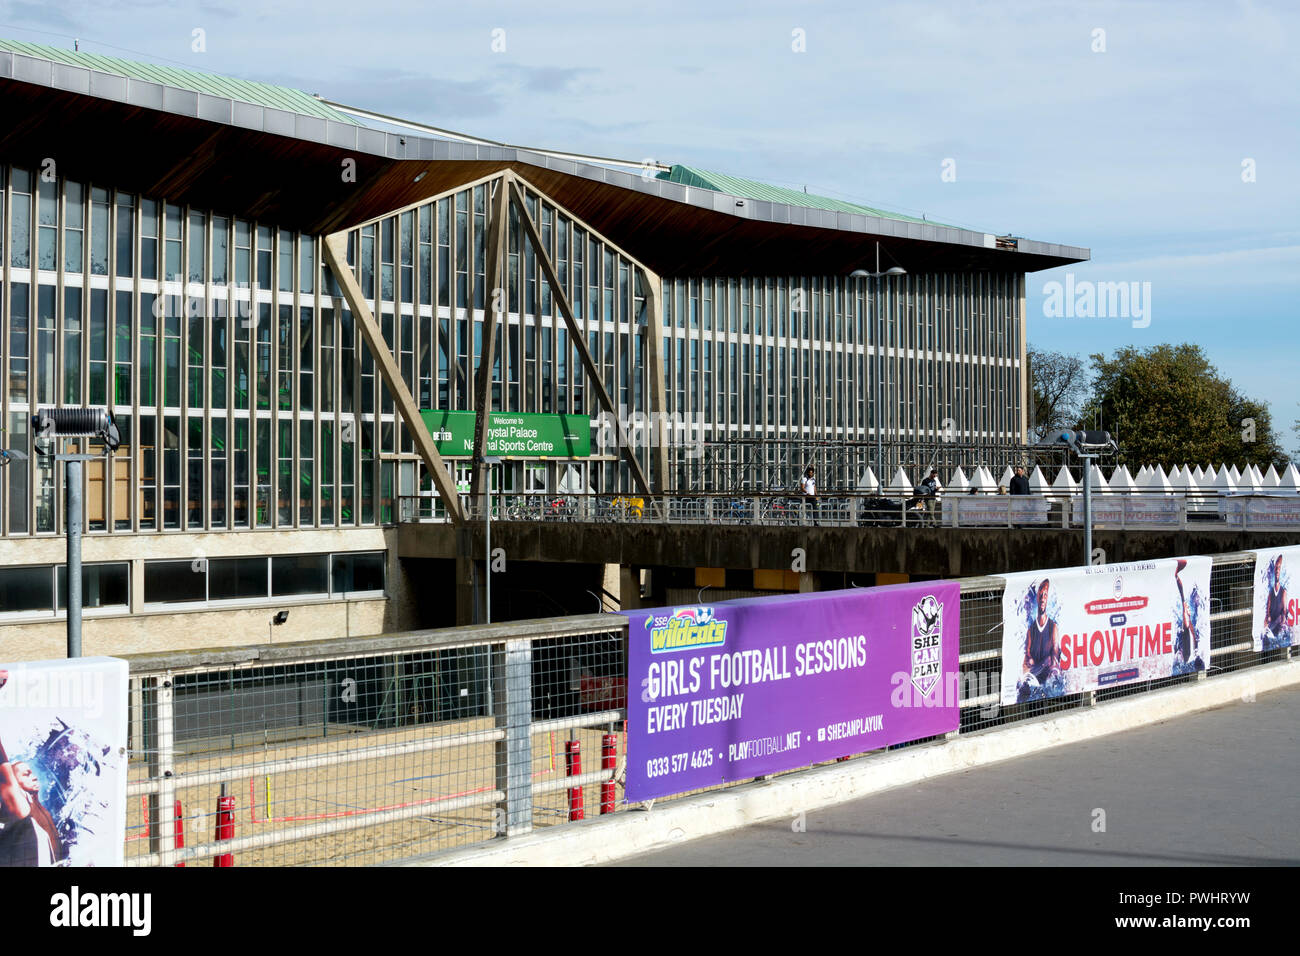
x=927, y=643
x=687, y=627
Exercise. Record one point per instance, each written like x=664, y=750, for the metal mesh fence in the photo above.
x=382, y=749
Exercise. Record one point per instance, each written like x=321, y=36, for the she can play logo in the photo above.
x=927, y=643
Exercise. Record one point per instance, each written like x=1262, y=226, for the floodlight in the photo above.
x=865, y=274
x=98, y=423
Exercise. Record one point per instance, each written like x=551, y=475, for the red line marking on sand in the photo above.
x=144, y=811
x=364, y=810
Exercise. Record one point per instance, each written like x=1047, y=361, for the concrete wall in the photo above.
x=144, y=629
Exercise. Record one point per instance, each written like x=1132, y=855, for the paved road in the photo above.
x=1220, y=787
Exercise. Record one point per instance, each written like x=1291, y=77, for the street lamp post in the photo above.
x=1087, y=460
x=52, y=424
x=880, y=364
x=1087, y=445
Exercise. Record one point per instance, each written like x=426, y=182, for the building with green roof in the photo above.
x=267, y=288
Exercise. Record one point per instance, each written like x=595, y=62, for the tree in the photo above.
x=1168, y=405
x=1059, y=383
x=1296, y=428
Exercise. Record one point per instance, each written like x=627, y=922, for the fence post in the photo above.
x=514, y=752
x=159, y=735
x=136, y=710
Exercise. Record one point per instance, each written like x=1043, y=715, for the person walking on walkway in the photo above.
x=808, y=487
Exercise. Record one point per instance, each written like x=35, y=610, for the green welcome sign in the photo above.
x=511, y=434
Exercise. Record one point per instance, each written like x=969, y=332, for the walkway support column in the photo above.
x=655, y=369
x=494, y=306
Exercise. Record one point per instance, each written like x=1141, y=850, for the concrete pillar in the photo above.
x=629, y=588
x=137, y=587
x=807, y=582
x=611, y=581
x=466, y=572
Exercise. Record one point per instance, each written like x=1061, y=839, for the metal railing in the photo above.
x=377, y=749
x=365, y=750
x=889, y=509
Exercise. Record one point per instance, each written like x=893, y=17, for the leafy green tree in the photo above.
x=1168, y=405
x=1296, y=428
x=1060, y=384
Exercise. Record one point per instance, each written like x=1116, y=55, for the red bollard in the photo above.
x=225, y=829
x=608, y=761
x=572, y=768
x=179, y=841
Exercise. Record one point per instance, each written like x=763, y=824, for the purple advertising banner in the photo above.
x=750, y=687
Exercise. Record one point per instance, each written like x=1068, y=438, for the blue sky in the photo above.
x=1135, y=151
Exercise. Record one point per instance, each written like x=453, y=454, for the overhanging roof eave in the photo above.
x=417, y=150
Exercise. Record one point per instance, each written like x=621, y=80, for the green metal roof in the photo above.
x=751, y=189
x=196, y=81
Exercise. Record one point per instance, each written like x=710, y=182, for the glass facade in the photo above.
x=906, y=361
x=216, y=344
x=247, y=398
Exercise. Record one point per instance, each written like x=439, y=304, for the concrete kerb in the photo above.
x=627, y=833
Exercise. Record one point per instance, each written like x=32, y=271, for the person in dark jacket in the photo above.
x=1019, y=483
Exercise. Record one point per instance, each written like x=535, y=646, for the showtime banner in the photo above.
x=760, y=685
x=1277, y=601
x=1071, y=630
x=63, y=762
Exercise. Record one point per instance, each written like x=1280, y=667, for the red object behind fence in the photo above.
x=572, y=768
x=179, y=841
x=225, y=829
x=608, y=761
